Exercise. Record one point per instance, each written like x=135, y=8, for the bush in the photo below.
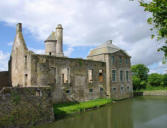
x=136, y=82
x=143, y=84
x=164, y=79
x=140, y=75
x=155, y=79
x=141, y=71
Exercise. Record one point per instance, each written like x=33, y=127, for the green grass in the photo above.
x=151, y=88
x=69, y=108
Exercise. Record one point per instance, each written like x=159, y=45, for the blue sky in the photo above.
x=86, y=24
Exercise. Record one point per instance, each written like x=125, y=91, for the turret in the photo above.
x=59, y=44
x=50, y=44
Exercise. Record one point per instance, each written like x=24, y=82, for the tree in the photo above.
x=136, y=82
x=141, y=71
x=165, y=80
x=155, y=79
x=140, y=75
x=158, y=9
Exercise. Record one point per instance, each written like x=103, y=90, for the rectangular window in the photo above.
x=127, y=76
x=126, y=61
x=101, y=75
x=66, y=75
x=120, y=60
x=114, y=89
x=128, y=88
x=121, y=75
x=90, y=76
x=38, y=93
x=101, y=89
x=113, y=59
x=62, y=78
x=113, y=75
x=67, y=91
x=25, y=58
x=26, y=76
x=91, y=90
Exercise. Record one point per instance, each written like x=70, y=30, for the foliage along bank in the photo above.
x=144, y=81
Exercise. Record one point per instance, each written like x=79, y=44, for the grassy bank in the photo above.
x=151, y=88
x=69, y=108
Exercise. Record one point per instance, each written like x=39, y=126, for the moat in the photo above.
x=139, y=112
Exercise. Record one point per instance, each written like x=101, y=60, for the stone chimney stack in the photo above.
x=17, y=60
x=19, y=27
x=59, y=44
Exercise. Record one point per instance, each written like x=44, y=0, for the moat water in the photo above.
x=139, y=112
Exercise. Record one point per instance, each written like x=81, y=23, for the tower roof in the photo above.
x=52, y=37
x=106, y=47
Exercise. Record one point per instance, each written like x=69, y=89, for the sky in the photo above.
x=86, y=23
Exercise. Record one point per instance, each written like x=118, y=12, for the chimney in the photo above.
x=19, y=27
x=59, y=37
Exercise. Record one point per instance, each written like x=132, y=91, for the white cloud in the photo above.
x=87, y=23
x=37, y=51
x=4, y=57
x=69, y=51
x=10, y=43
x=158, y=67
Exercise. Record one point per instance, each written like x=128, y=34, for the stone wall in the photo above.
x=4, y=79
x=18, y=59
x=151, y=93
x=24, y=107
x=121, y=89
x=118, y=89
x=69, y=77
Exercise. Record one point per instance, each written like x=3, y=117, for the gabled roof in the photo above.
x=106, y=47
x=52, y=37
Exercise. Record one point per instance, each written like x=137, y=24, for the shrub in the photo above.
x=155, y=79
x=136, y=82
x=164, y=79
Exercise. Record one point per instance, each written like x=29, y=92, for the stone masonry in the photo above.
x=105, y=72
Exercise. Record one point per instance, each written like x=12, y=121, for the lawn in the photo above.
x=69, y=108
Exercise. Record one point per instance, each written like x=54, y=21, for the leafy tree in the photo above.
x=164, y=79
x=141, y=71
x=136, y=82
x=155, y=79
x=158, y=9
x=140, y=74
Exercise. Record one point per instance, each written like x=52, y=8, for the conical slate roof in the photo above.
x=106, y=47
x=52, y=37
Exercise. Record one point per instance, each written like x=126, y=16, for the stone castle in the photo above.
x=105, y=73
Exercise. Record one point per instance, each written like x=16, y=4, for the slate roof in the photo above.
x=52, y=37
x=106, y=47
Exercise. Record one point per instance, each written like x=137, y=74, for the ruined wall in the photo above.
x=4, y=79
x=18, y=58
x=69, y=77
x=24, y=107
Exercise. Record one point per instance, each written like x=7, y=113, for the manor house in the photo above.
x=105, y=73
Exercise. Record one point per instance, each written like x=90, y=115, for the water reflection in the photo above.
x=141, y=112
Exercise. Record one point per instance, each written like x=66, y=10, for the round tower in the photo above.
x=50, y=44
x=59, y=37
